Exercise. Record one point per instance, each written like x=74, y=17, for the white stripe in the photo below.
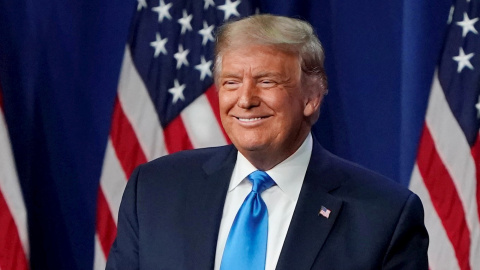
x=201, y=124
x=139, y=109
x=99, y=261
x=113, y=180
x=441, y=255
x=10, y=187
x=455, y=153
x=112, y=183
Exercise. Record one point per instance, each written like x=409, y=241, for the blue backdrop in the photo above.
x=60, y=62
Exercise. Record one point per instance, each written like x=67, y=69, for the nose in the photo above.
x=248, y=95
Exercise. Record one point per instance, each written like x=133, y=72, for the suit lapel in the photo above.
x=204, y=209
x=308, y=229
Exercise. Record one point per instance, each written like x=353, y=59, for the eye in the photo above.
x=267, y=83
x=231, y=84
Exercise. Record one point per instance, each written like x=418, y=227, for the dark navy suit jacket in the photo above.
x=171, y=210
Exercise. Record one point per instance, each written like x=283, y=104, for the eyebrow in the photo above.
x=268, y=74
x=256, y=76
x=230, y=75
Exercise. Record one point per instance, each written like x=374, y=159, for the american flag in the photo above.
x=166, y=100
x=324, y=212
x=447, y=171
x=14, y=243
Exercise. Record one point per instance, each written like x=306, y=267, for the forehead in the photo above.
x=259, y=58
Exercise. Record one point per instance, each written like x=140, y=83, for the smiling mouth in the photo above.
x=250, y=119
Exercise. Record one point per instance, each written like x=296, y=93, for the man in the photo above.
x=316, y=212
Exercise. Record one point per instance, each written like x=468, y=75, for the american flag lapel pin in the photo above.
x=325, y=212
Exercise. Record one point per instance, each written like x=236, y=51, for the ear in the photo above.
x=312, y=105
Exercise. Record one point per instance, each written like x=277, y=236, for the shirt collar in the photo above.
x=288, y=174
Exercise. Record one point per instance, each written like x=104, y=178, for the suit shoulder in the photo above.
x=368, y=182
x=194, y=157
x=378, y=198
x=172, y=172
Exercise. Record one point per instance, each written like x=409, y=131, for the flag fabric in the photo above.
x=166, y=100
x=14, y=245
x=447, y=170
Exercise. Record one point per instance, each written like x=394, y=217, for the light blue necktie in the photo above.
x=246, y=247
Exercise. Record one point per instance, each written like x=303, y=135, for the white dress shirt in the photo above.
x=280, y=199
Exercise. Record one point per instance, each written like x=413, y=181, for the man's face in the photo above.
x=262, y=105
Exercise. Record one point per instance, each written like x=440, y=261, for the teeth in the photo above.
x=249, y=119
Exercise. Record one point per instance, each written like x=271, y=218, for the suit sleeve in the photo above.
x=409, y=243
x=124, y=251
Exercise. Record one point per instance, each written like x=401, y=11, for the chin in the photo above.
x=250, y=146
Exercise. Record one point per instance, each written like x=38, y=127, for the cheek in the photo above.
x=225, y=101
x=290, y=113
x=281, y=103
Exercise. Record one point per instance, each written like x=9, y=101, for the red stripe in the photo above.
x=125, y=142
x=130, y=155
x=476, y=157
x=444, y=197
x=12, y=256
x=176, y=137
x=212, y=96
x=106, y=228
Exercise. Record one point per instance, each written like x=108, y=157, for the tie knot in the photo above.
x=261, y=181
